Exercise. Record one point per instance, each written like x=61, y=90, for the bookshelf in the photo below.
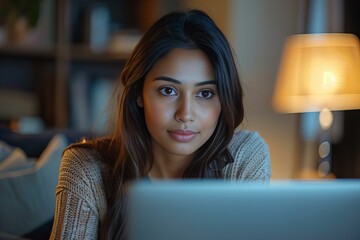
x=52, y=66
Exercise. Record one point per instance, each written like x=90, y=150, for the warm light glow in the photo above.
x=324, y=149
x=319, y=71
x=329, y=82
x=325, y=118
x=324, y=168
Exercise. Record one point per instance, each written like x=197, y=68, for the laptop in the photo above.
x=219, y=210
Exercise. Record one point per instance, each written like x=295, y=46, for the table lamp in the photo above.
x=319, y=73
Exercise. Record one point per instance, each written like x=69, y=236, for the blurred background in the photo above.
x=59, y=61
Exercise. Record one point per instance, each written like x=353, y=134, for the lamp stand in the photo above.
x=326, y=119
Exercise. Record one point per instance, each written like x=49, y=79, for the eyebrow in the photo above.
x=169, y=79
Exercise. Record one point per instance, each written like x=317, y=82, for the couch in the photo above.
x=29, y=167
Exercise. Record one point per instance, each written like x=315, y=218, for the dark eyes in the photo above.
x=205, y=94
x=170, y=91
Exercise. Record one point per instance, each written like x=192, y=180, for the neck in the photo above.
x=169, y=168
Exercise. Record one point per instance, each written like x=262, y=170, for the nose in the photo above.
x=185, y=109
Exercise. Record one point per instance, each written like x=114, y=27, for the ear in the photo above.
x=139, y=102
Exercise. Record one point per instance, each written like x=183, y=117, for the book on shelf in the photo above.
x=89, y=99
x=100, y=93
x=79, y=112
x=17, y=103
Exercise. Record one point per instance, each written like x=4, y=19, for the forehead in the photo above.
x=184, y=65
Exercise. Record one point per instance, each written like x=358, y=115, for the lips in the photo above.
x=182, y=135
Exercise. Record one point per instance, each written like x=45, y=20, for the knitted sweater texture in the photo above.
x=80, y=194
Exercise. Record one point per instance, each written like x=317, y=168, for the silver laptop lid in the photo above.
x=196, y=210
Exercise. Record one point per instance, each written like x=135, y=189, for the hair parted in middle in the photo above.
x=127, y=153
x=189, y=30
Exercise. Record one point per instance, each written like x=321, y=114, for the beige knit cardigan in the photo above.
x=80, y=196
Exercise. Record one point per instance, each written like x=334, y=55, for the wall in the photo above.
x=258, y=31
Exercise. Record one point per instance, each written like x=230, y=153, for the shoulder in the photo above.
x=251, y=158
x=247, y=141
x=81, y=174
x=82, y=161
x=80, y=194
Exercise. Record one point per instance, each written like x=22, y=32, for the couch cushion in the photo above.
x=11, y=158
x=34, y=144
x=27, y=195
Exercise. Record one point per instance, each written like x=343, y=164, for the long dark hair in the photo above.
x=127, y=153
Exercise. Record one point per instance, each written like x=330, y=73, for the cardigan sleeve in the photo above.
x=251, y=159
x=80, y=203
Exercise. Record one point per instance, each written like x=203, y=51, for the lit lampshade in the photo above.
x=319, y=71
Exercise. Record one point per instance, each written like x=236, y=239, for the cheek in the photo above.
x=211, y=116
x=157, y=112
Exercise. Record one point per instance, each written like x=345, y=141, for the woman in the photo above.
x=179, y=101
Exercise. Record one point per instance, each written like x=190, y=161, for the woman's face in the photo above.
x=181, y=102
